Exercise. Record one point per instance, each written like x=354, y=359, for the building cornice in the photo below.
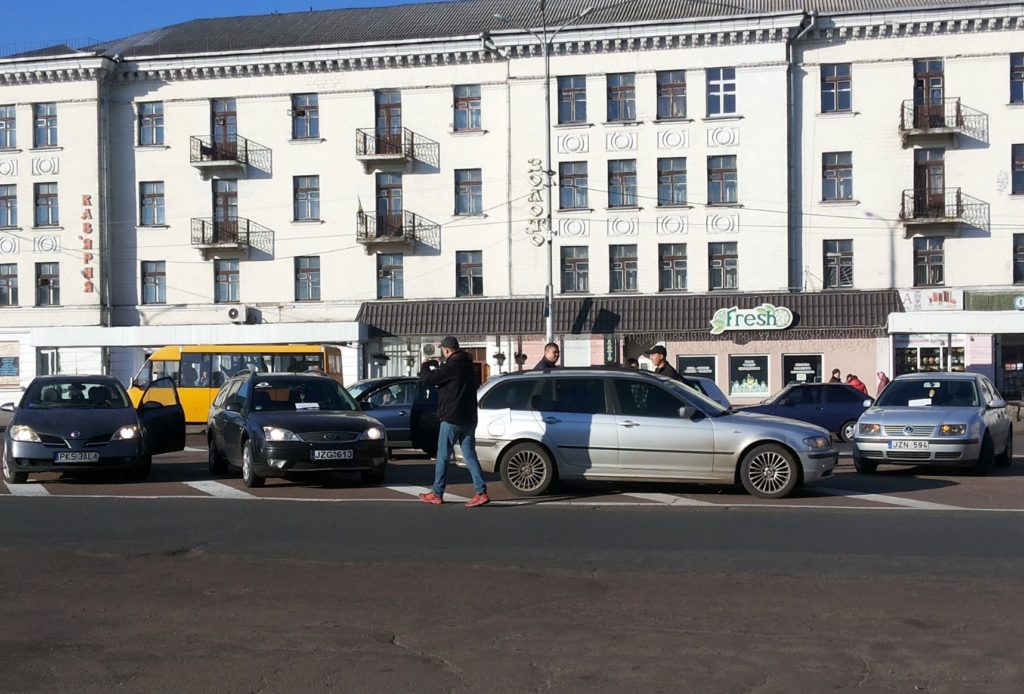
x=53, y=70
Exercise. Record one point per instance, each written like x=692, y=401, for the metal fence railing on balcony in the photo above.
x=401, y=143
x=207, y=149
x=237, y=231
x=404, y=227
x=940, y=114
x=942, y=205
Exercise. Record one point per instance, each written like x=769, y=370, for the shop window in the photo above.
x=929, y=358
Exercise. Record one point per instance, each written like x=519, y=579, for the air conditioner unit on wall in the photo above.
x=429, y=350
x=244, y=314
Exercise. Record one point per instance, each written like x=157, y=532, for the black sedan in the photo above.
x=406, y=408
x=291, y=425
x=87, y=423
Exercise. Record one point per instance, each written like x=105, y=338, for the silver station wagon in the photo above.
x=611, y=424
x=935, y=419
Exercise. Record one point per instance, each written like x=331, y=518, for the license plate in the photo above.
x=908, y=445
x=342, y=454
x=76, y=457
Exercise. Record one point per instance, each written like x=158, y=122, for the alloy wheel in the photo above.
x=769, y=472
x=526, y=470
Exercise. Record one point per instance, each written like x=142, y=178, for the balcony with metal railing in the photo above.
x=940, y=117
x=402, y=146
x=235, y=154
x=949, y=207
x=232, y=237
x=402, y=229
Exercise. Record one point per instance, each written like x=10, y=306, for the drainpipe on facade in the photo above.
x=794, y=154
x=103, y=207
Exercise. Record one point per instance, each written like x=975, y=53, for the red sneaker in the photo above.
x=431, y=498
x=478, y=500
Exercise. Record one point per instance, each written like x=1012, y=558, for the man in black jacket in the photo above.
x=659, y=357
x=550, y=358
x=456, y=384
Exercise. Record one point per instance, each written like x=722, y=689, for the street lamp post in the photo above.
x=546, y=39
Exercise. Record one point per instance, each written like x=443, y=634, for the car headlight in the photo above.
x=125, y=433
x=277, y=434
x=373, y=434
x=818, y=443
x=870, y=429
x=952, y=430
x=20, y=432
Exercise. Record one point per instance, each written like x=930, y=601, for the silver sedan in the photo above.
x=936, y=419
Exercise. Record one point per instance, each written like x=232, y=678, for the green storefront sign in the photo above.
x=763, y=317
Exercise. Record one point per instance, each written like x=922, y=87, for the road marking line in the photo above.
x=894, y=500
x=413, y=490
x=28, y=489
x=220, y=490
x=193, y=449
x=670, y=499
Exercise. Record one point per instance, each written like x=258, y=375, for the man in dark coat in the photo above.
x=659, y=357
x=456, y=384
x=550, y=358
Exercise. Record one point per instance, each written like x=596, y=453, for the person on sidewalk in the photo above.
x=550, y=358
x=659, y=357
x=456, y=384
x=837, y=376
x=852, y=380
x=883, y=381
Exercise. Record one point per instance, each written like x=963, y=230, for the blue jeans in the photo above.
x=465, y=436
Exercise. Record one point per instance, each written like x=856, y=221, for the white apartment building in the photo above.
x=376, y=178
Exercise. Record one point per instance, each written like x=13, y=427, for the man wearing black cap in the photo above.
x=456, y=385
x=659, y=357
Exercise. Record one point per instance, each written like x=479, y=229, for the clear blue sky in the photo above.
x=32, y=24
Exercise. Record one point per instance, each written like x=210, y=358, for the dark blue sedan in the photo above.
x=832, y=406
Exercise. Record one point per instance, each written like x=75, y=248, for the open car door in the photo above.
x=162, y=417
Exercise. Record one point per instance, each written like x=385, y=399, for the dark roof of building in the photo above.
x=687, y=315
x=454, y=19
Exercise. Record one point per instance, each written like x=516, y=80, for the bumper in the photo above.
x=26, y=456
x=940, y=452
x=818, y=465
x=488, y=451
x=293, y=457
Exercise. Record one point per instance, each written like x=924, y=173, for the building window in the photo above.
x=672, y=181
x=1018, y=258
x=672, y=266
x=151, y=203
x=469, y=273
x=572, y=99
x=305, y=116
x=390, y=284
x=46, y=205
x=8, y=284
x=837, y=176
x=154, y=282
x=722, y=180
x=721, y=91
x=671, y=94
x=575, y=269
x=1016, y=78
x=467, y=107
x=225, y=281
x=1017, y=167
x=306, y=198
x=836, y=87
x=8, y=131
x=928, y=262
x=722, y=262
x=151, y=123
x=45, y=117
x=8, y=206
x=469, y=196
x=838, y=264
x=572, y=185
x=622, y=268
x=47, y=284
x=621, y=97
x=622, y=183
x=307, y=278
x=47, y=361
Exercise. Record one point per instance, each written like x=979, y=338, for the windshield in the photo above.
x=57, y=394
x=931, y=393
x=360, y=387
x=306, y=395
x=702, y=401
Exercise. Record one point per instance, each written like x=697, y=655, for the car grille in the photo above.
x=948, y=455
x=51, y=440
x=909, y=455
x=899, y=430
x=328, y=436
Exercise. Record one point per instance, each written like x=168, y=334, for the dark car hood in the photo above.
x=315, y=421
x=61, y=422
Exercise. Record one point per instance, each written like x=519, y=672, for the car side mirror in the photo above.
x=7, y=407
x=997, y=404
x=868, y=402
x=233, y=406
x=687, y=411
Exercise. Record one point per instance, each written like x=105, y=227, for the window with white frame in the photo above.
x=671, y=181
x=929, y=262
x=45, y=119
x=47, y=284
x=8, y=127
x=151, y=123
x=8, y=284
x=837, y=176
x=622, y=267
x=572, y=185
x=722, y=265
x=306, y=196
x=723, y=180
x=469, y=273
x=838, y=263
x=47, y=207
x=572, y=99
x=836, y=87
x=226, y=288
x=390, y=280
x=671, y=267
x=621, y=97
x=8, y=206
x=671, y=94
x=575, y=269
x=622, y=183
x=154, y=282
x=47, y=361
x=467, y=107
x=305, y=116
x=307, y=278
x=721, y=91
x=1017, y=78
x=469, y=196
x=151, y=203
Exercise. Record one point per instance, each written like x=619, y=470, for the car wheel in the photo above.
x=848, y=430
x=215, y=460
x=986, y=458
x=375, y=475
x=769, y=472
x=864, y=466
x=527, y=470
x=10, y=476
x=1005, y=459
x=140, y=469
x=249, y=475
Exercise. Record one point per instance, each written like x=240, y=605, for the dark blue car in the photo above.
x=833, y=406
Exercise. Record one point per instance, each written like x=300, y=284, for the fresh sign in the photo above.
x=763, y=317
